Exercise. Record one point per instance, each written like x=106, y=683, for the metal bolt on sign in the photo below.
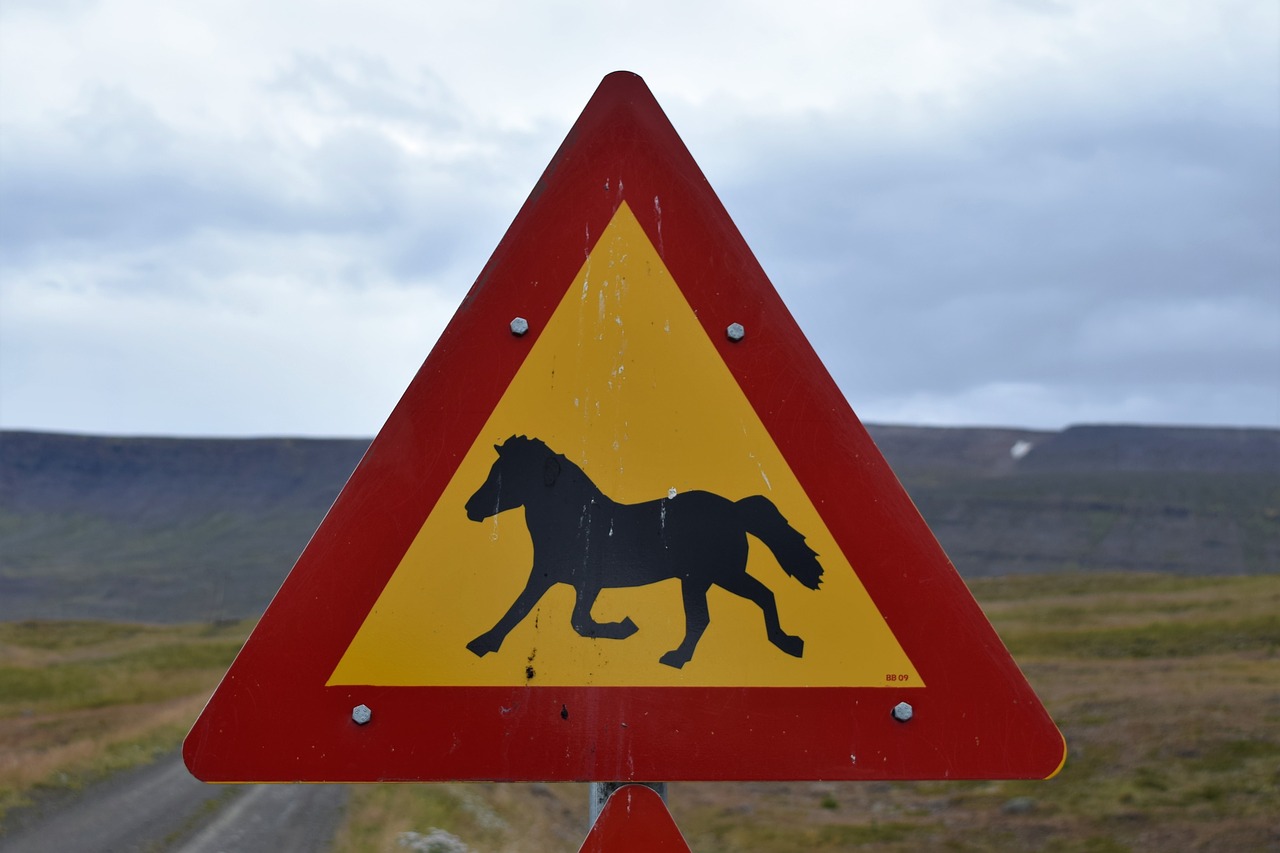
x=902, y=712
x=519, y=326
x=361, y=714
x=735, y=332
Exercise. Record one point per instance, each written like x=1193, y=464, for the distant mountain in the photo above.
x=182, y=529
x=1095, y=498
x=153, y=528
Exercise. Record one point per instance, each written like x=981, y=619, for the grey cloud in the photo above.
x=115, y=177
x=1042, y=247
x=115, y=173
x=350, y=83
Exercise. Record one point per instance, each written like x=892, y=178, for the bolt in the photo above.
x=735, y=332
x=519, y=326
x=361, y=714
x=902, y=712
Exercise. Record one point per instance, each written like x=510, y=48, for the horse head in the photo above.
x=523, y=467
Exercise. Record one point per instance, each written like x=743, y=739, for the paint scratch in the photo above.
x=657, y=209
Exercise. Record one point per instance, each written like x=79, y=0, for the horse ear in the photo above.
x=550, y=471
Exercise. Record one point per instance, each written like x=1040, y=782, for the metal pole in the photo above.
x=600, y=792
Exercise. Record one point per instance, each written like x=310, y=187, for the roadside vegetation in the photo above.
x=81, y=700
x=1167, y=689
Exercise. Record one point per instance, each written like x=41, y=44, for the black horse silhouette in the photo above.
x=583, y=538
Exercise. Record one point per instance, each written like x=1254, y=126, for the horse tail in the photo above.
x=761, y=519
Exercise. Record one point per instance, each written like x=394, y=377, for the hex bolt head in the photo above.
x=735, y=332
x=902, y=712
x=361, y=714
x=519, y=326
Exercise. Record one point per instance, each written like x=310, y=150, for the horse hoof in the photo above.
x=627, y=628
x=674, y=658
x=793, y=646
x=481, y=646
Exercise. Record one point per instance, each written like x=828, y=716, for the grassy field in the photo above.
x=80, y=700
x=1167, y=689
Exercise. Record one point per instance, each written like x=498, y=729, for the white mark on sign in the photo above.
x=497, y=509
x=657, y=210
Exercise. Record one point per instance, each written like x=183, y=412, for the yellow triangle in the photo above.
x=625, y=383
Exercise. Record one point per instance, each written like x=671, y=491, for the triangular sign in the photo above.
x=622, y=525
x=634, y=820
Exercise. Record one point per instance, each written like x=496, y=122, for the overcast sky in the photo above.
x=236, y=218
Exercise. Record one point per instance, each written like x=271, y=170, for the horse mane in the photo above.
x=569, y=472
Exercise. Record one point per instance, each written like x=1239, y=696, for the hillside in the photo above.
x=182, y=529
x=157, y=529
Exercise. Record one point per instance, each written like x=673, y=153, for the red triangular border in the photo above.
x=273, y=718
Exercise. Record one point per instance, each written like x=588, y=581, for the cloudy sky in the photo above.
x=235, y=218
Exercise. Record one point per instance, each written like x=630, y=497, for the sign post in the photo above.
x=622, y=525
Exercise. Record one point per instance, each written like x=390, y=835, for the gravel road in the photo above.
x=161, y=807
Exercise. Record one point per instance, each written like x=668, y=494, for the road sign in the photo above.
x=622, y=525
x=634, y=819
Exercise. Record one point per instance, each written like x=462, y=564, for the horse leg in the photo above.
x=587, y=626
x=491, y=640
x=752, y=589
x=696, y=619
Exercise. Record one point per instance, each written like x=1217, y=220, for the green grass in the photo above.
x=734, y=836
x=1231, y=756
x=84, y=665
x=1158, y=640
x=60, y=636
x=1165, y=688
x=80, y=700
x=127, y=679
x=1075, y=584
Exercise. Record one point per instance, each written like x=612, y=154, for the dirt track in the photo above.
x=162, y=808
